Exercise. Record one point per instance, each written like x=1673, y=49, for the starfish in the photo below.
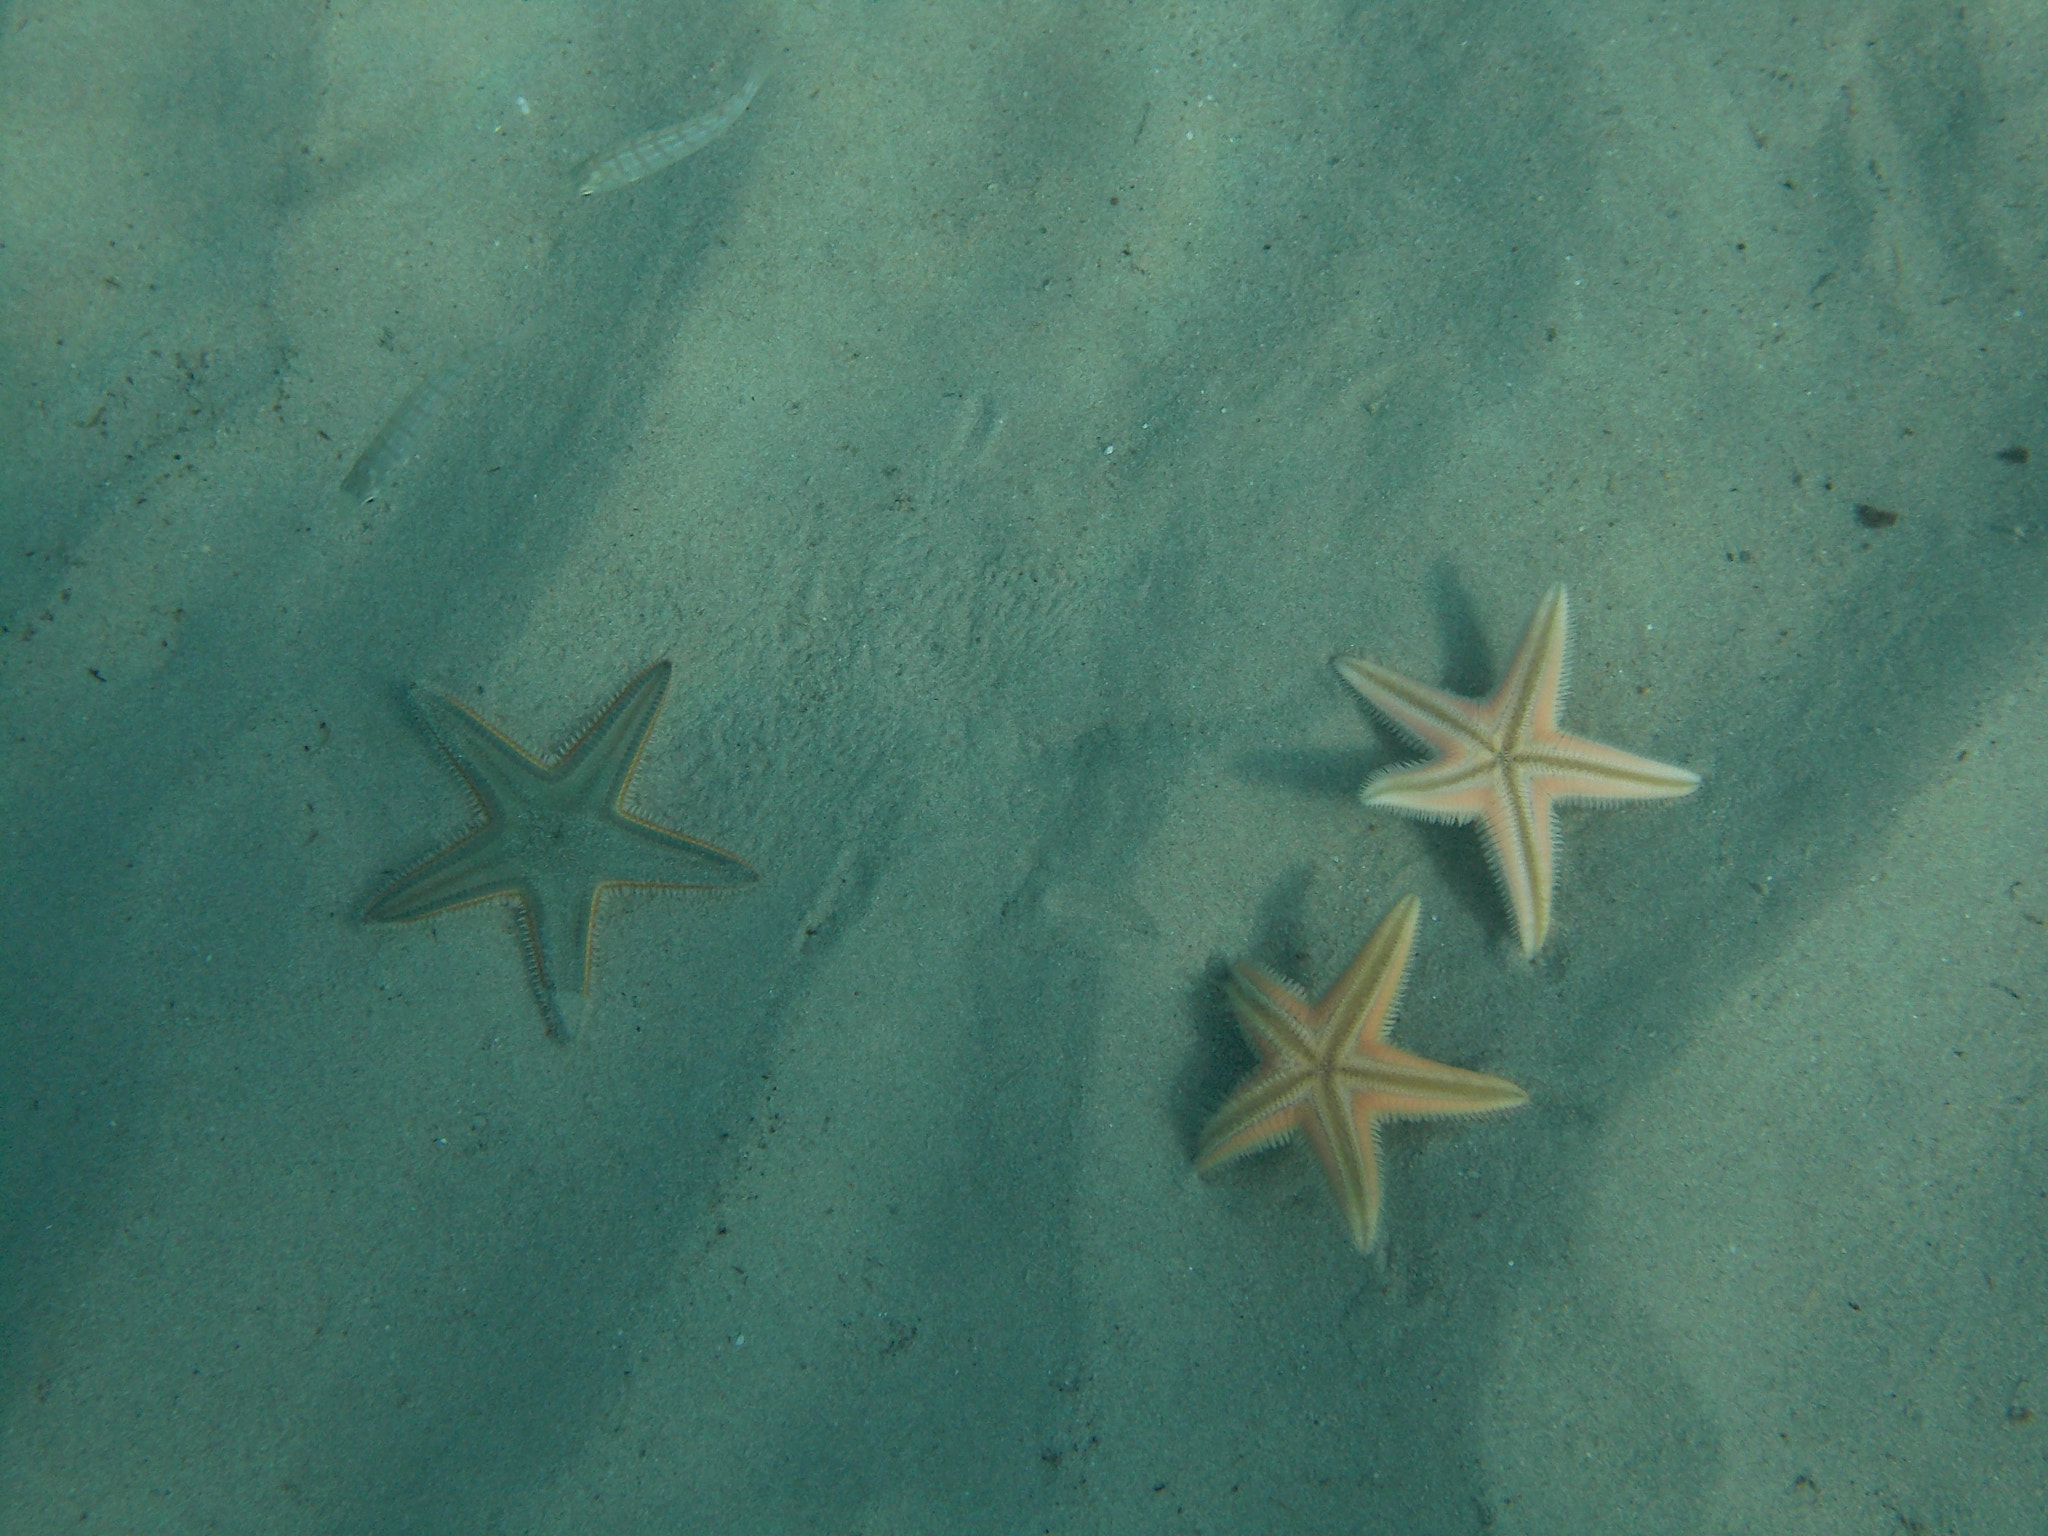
x=1326, y=1072
x=1504, y=763
x=556, y=835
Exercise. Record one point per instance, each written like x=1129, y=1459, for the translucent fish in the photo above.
x=657, y=151
x=395, y=440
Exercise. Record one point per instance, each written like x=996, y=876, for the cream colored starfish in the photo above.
x=1326, y=1072
x=1504, y=763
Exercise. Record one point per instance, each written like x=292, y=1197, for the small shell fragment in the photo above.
x=656, y=151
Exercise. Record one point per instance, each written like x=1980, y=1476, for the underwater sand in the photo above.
x=1000, y=427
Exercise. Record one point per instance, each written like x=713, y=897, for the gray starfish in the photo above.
x=556, y=835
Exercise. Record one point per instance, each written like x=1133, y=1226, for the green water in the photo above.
x=1000, y=427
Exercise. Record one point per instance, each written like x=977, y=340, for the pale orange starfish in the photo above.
x=1504, y=763
x=1327, y=1072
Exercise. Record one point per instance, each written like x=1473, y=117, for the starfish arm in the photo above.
x=1368, y=992
x=491, y=765
x=469, y=872
x=544, y=979
x=1591, y=772
x=1394, y=1084
x=1452, y=727
x=1519, y=834
x=1266, y=1110
x=1277, y=1021
x=660, y=857
x=595, y=768
x=1450, y=789
x=1531, y=696
x=1348, y=1149
x=1280, y=1025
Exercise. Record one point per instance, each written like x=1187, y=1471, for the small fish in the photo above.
x=656, y=151
x=393, y=444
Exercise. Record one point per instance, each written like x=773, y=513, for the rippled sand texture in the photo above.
x=1001, y=426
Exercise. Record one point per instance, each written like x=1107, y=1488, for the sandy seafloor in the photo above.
x=1001, y=429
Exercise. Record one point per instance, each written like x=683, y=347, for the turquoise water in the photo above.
x=1000, y=427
